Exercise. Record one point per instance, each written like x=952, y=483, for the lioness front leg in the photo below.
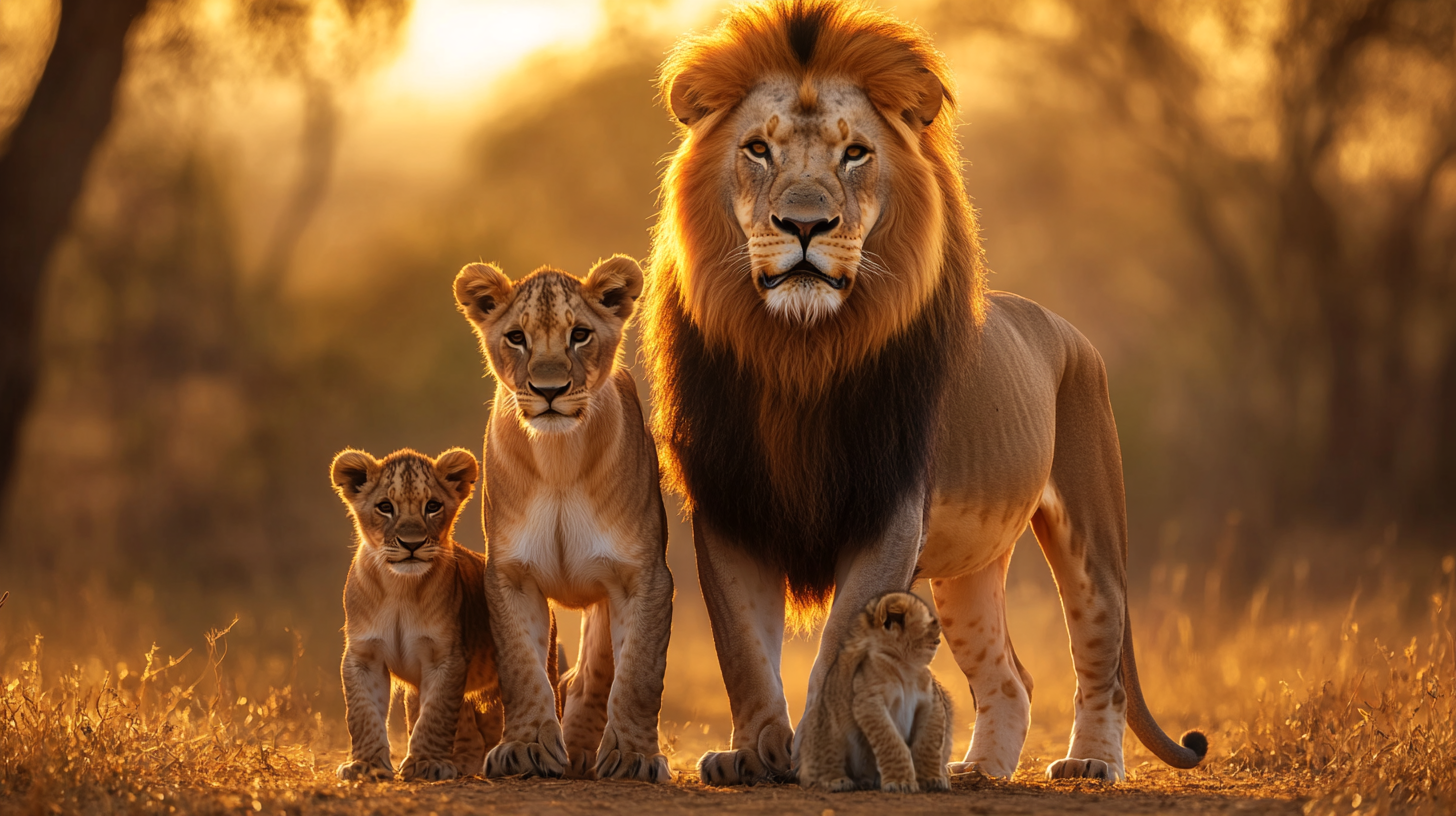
x=531, y=741
x=641, y=621
x=745, y=601
x=366, y=702
x=432, y=740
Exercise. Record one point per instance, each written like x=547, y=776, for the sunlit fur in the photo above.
x=882, y=719
x=799, y=437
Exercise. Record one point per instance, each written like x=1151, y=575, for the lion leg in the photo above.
x=972, y=612
x=531, y=743
x=641, y=623
x=586, y=692
x=745, y=603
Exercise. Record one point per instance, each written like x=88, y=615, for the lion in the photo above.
x=882, y=720
x=845, y=407
x=415, y=611
x=574, y=515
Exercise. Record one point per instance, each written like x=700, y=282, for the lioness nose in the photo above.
x=412, y=545
x=805, y=230
x=550, y=392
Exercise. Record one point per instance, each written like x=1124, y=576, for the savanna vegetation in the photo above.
x=1250, y=207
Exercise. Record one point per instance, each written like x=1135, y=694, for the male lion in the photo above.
x=845, y=407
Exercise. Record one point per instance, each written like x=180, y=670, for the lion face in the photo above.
x=904, y=624
x=550, y=339
x=405, y=505
x=806, y=183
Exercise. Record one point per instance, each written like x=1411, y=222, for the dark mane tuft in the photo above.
x=802, y=27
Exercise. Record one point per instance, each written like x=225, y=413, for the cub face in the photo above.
x=550, y=339
x=900, y=622
x=405, y=505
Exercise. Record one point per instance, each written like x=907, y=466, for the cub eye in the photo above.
x=580, y=335
x=433, y=506
x=854, y=153
x=516, y=338
x=385, y=507
x=757, y=149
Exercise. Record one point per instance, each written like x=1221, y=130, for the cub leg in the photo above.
x=432, y=741
x=1094, y=605
x=892, y=755
x=587, y=690
x=490, y=719
x=972, y=612
x=366, y=702
x=468, y=752
x=531, y=743
x=641, y=623
x=930, y=741
x=745, y=601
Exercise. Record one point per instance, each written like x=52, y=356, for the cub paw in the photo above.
x=359, y=769
x=899, y=787
x=935, y=783
x=583, y=764
x=1072, y=768
x=544, y=757
x=842, y=784
x=427, y=770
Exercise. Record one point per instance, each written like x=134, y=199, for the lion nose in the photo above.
x=412, y=545
x=549, y=393
x=805, y=230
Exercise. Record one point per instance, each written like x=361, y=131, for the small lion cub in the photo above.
x=415, y=611
x=575, y=516
x=882, y=719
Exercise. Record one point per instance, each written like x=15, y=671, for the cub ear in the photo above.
x=680, y=102
x=459, y=470
x=927, y=107
x=615, y=284
x=482, y=290
x=352, y=470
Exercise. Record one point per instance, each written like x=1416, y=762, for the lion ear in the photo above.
x=679, y=100
x=482, y=290
x=459, y=470
x=615, y=284
x=932, y=97
x=351, y=472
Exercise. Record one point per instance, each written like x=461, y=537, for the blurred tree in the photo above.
x=1311, y=145
x=40, y=179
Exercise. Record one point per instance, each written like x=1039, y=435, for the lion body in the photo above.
x=575, y=516
x=889, y=419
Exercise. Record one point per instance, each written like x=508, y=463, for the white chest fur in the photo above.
x=399, y=633
x=560, y=543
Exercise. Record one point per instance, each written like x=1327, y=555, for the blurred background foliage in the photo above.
x=1250, y=207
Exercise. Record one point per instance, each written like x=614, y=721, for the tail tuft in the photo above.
x=1196, y=742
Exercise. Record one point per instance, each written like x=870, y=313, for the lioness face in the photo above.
x=550, y=339
x=807, y=181
x=903, y=623
x=404, y=506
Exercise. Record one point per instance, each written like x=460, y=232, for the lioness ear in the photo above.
x=352, y=470
x=680, y=102
x=932, y=96
x=458, y=469
x=615, y=283
x=482, y=290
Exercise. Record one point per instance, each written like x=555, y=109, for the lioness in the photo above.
x=415, y=611
x=844, y=406
x=574, y=514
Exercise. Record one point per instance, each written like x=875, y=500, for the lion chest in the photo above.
x=560, y=541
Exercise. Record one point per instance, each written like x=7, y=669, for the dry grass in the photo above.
x=1331, y=716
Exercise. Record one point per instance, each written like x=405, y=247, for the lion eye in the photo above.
x=516, y=338
x=757, y=149
x=580, y=335
x=433, y=506
x=385, y=507
x=854, y=153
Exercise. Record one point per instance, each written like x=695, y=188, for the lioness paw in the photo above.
x=1072, y=768
x=741, y=767
x=630, y=765
x=359, y=769
x=544, y=757
x=427, y=770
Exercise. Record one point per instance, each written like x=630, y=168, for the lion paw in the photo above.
x=630, y=765
x=427, y=770
x=741, y=767
x=1071, y=768
x=544, y=757
x=359, y=769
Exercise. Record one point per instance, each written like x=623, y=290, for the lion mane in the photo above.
x=799, y=442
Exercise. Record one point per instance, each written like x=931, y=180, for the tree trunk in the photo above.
x=40, y=179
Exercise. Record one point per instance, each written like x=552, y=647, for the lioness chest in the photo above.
x=571, y=548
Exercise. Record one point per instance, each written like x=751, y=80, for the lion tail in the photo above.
x=1194, y=745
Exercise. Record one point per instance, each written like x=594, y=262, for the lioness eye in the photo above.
x=516, y=338
x=758, y=148
x=580, y=335
x=385, y=507
x=855, y=152
x=433, y=506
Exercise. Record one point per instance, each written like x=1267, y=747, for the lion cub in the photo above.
x=415, y=611
x=575, y=516
x=882, y=719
